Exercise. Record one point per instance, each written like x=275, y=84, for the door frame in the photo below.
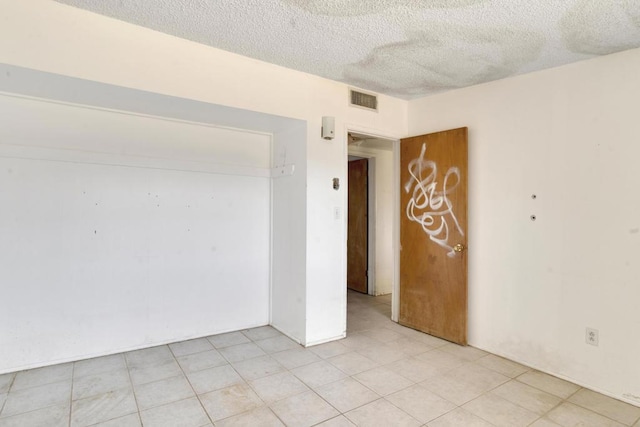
x=395, y=141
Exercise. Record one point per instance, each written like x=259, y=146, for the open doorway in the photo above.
x=358, y=225
x=379, y=155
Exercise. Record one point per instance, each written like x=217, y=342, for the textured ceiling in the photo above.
x=404, y=48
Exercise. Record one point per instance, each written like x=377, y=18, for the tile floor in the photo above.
x=382, y=374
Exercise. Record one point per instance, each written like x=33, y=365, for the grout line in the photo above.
x=186, y=377
x=73, y=375
x=133, y=390
x=13, y=378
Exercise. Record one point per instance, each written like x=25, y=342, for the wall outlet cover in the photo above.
x=592, y=337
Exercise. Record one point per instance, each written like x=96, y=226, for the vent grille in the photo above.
x=364, y=100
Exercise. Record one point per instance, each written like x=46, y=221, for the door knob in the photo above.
x=459, y=247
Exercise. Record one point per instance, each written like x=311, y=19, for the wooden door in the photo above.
x=357, y=233
x=433, y=230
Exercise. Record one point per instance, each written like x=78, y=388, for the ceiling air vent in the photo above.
x=363, y=100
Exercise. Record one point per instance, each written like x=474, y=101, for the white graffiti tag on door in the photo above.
x=429, y=207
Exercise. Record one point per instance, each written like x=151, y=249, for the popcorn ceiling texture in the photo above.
x=403, y=48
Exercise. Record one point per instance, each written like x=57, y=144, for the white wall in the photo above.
x=569, y=135
x=56, y=38
x=383, y=213
x=121, y=231
x=289, y=204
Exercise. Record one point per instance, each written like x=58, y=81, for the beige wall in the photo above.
x=570, y=135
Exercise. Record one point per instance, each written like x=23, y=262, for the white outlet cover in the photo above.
x=592, y=336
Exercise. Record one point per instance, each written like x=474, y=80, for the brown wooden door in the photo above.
x=357, y=236
x=433, y=220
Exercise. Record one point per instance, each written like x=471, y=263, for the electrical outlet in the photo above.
x=592, y=337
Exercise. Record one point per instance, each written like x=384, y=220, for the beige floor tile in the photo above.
x=257, y=367
x=381, y=413
x=5, y=382
x=544, y=422
x=383, y=381
x=98, y=365
x=33, y=398
x=358, y=341
x=230, y=401
x=261, y=333
x=318, y=373
x=422, y=337
x=262, y=417
x=162, y=392
x=92, y=385
x=183, y=413
x=570, y=415
x=502, y=366
x=482, y=378
x=149, y=356
x=604, y=405
x=52, y=416
x=214, y=379
x=278, y=386
x=276, y=344
x=415, y=369
x=101, y=408
x=42, y=376
x=190, y=347
x=465, y=383
x=346, y=394
x=131, y=420
x=382, y=334
x=383, y=353
x=500, y=412
x=441, y=359
x=455, y=390
x=464, y=352
x=395, y=327
x=240, y=352
x=528, y=397
x=296, y=357
x=304, y=409
x=356, y=324
x=142, y=374
x=352, y=363
x=339, y=421
x=202, y=360
x=410, y=346
x=228, y=339
x=330, y=349
x=420, y=403
x=548, y=383
x=459, y=418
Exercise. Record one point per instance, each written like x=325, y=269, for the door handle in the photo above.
x=459, y=248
